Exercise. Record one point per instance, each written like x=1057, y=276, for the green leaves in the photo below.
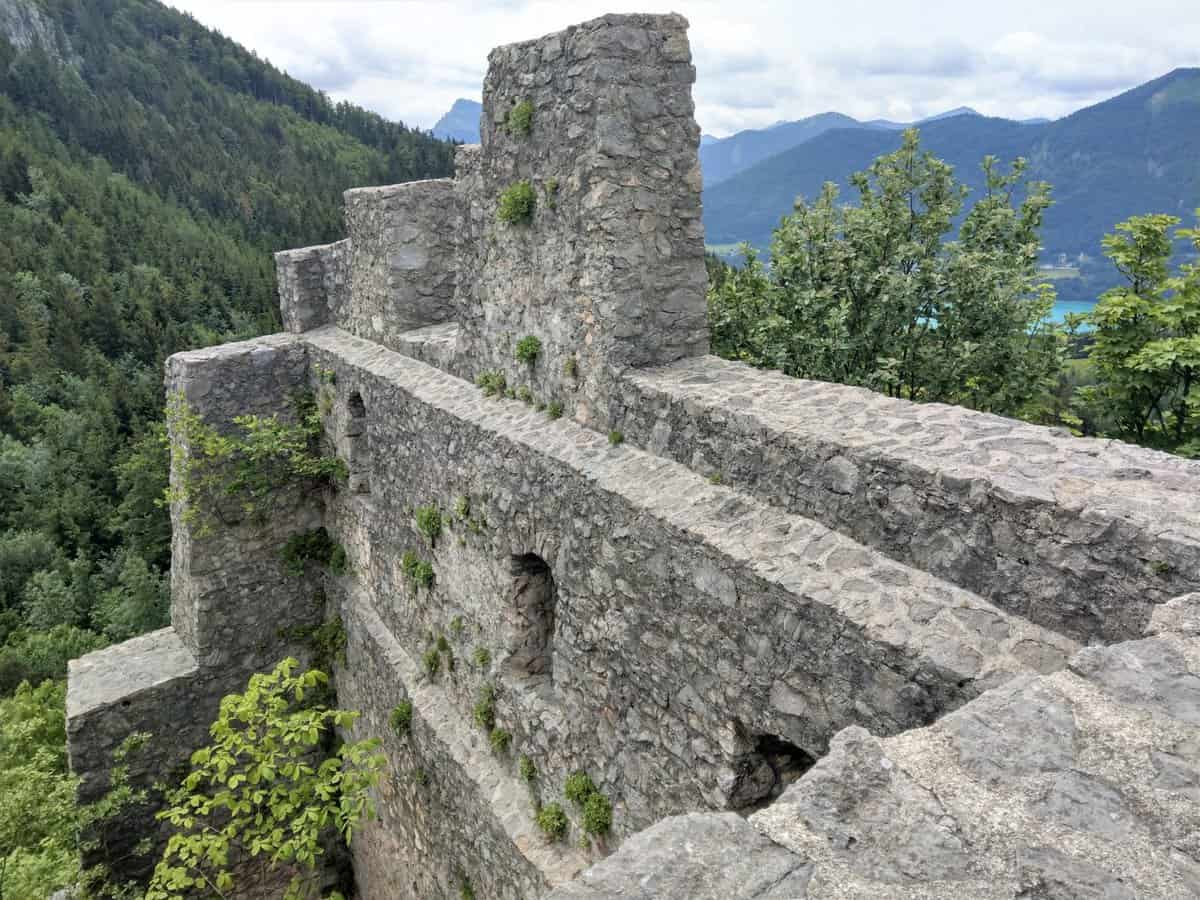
x=222, y=477
x=265, y=788
x=1146, y=341
x=878, y=295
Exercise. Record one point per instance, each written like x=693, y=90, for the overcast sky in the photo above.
x=757, y=62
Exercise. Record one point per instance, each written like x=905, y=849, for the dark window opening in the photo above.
x=765, y=770
x=530, y=610
x=358, y=453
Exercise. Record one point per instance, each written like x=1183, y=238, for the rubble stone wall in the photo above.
x=712, y=589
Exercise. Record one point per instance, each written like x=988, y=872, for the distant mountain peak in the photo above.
x=950, y=114
x=461, y=122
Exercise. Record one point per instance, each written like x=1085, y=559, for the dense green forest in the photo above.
x=148, y=169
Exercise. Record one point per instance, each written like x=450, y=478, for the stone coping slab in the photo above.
x=1081, y=535
x=124, y=670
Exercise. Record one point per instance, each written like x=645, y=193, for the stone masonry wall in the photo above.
x=659, y=702
x=860, y=616
x=610, y=271
x=235, y=611
x=1081, y=535
x=401, y=260
x=1080, y=784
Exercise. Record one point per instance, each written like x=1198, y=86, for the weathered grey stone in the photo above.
x=697, y=856
x=851, y=613
x=1045, y=525
x=401, y=264
x=611, y=270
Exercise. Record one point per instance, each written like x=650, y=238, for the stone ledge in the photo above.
x=1081, y=535
x=122, y=672
x=699, y=856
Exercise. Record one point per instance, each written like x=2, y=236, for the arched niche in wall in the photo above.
x=530, y=612
x=357, y=444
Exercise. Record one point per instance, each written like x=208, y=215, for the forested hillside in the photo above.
x=148, y=168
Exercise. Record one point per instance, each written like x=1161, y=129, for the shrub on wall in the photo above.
x=520, y=119
x=517, y=203
x=552, y=821
x=528, y=349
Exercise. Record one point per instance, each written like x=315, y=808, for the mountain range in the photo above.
x=1134, y=153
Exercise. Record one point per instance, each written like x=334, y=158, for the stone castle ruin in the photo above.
x=808, y=640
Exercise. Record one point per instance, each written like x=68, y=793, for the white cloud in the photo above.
x=757, y=62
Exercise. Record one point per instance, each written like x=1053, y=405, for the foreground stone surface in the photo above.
x=1080, y=784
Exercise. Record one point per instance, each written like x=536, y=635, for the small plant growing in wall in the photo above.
x=482, y=657
x=418, y=571
x=524, y=394
x=571, y=367
x=554, y=409
x=462, y=507
x=550, y=186
x=484, y=710
x=517, y=203
x=597, y=814
x=432, y=662
x=499, y=739
x=456, y=627
x=527, y=769
x=429, y=522
x=465, y=891
x=401, y=718
x=597, y=810
x=578, y=787
x=552, y=821
x=492, y=384
x=528, y=349
x=616, y=437
x=325, y=376
x=520, y=119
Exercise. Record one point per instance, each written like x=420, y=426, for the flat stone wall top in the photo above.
x=1081, y=535
x=125, y=670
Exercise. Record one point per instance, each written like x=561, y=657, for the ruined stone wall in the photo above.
x=690, y=580
x=1083, y=536
x=609, y=272
x=1078, y=784
x=234, y=610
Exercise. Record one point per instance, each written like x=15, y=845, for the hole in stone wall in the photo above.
x=530, y=609
x=358, y=451
x=765, y=770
